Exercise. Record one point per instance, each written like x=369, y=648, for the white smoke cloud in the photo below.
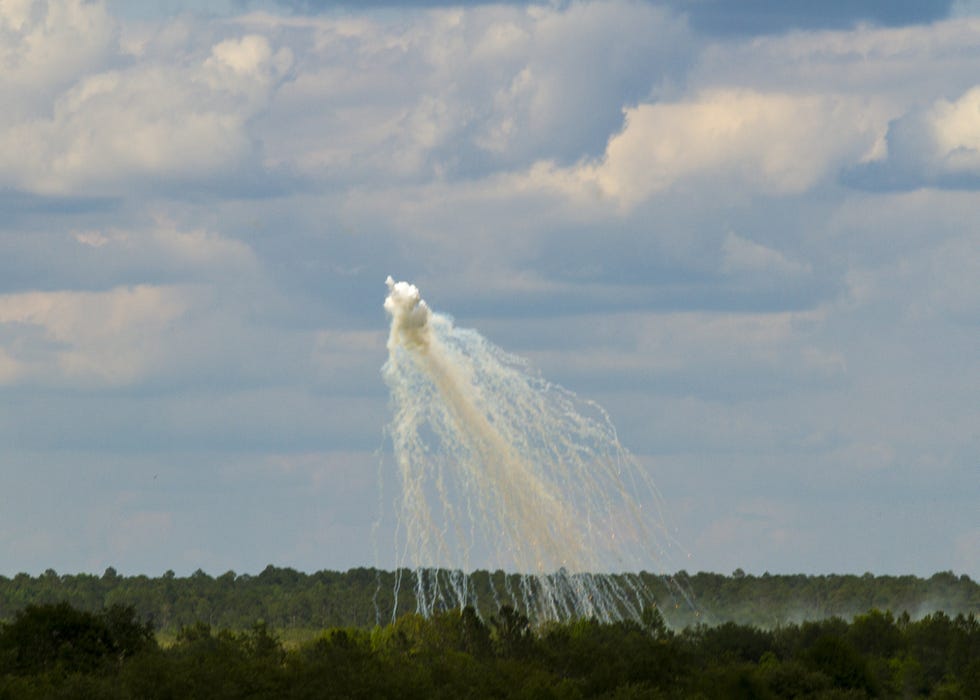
x=409, y=315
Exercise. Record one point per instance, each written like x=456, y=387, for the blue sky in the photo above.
x=751, y=237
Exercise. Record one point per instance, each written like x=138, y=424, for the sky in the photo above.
x=750, y=235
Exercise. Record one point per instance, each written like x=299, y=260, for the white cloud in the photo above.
x=956, y=128
x=46, y=46
x=247, y=66
x=938, y=146
x=174, y=118
x=14, y=14
x=454, y=91
x=489, y=143
x=772, y=143
x=88, y=338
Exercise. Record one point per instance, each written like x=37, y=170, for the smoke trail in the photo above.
x=500, y=466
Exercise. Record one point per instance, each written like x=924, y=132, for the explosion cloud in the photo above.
x=499, y=467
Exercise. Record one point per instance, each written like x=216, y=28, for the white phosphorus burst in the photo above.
x=499, y=467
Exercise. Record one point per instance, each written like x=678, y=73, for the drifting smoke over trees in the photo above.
x=288, y=599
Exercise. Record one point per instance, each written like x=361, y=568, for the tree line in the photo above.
x=56, y=650
x=364, y=597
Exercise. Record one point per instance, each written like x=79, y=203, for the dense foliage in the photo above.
x=58, y=651
x=288, y=599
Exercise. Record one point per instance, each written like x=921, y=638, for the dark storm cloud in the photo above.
x=888, y=176
x=714, y=17
x=15, y=203
x=308, y=6
x=749, y=17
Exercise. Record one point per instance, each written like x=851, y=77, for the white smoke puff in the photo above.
x=409, y=315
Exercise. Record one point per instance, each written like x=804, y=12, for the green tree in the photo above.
x=511, y=632
x=58, y=636
x=834, y=657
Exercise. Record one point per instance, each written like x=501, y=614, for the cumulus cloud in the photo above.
x=735, y=143
x=449, y=93
x=535, y=227
x=246, y=66
x=769, y=142
x=655, y=216
x=101, y=126
x=47, y=46
x=938, y=146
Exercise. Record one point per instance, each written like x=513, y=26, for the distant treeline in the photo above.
x=284, y=598
x=57, y=651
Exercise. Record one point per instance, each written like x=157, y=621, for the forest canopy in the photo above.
x=54, y=650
